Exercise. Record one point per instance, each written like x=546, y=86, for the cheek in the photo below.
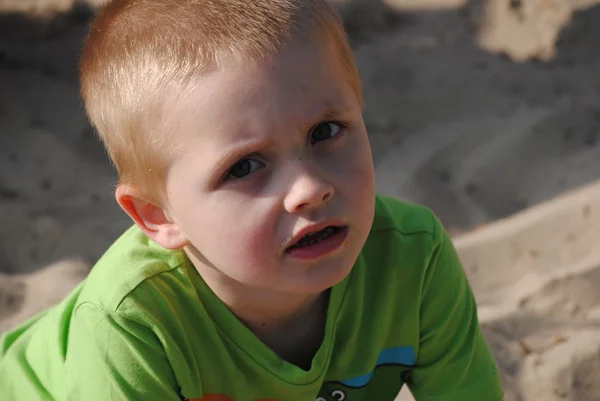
x=360, y=178
x=248, y=254
x=241, y=239
x=356, y=165
x=258, y=240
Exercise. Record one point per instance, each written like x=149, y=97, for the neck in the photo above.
x=292, y=325
x=258, y=306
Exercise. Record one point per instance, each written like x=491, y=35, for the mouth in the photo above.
x=315, y=244
x=315, y=237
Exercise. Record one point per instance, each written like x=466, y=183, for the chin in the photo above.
x=327, y=277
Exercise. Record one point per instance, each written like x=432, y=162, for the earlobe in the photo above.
x=150, y=218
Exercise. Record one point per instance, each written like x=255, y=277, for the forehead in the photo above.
x=242, y=99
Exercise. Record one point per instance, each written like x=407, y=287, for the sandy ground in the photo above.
x=486, y=110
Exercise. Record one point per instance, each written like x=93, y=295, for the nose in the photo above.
x=308, y=190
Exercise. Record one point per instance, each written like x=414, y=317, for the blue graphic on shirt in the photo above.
x=404, y=356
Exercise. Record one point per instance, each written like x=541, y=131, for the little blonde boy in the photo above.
x=261, y=265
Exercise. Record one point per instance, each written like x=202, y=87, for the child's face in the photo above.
x=270, y=150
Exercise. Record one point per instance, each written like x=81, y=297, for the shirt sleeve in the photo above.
x=111, y=358
x=454, y=361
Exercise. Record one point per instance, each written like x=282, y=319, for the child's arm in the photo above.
x=111, y=358
x=454, y=361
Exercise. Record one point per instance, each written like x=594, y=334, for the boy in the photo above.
x=261, y=266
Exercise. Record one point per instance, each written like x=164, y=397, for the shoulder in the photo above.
x=405, y=240
x=396, y=217
x=132, y=264
x=402, y=243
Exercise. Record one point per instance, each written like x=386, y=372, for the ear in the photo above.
x=151, y=219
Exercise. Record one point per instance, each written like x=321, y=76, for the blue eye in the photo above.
x=243, y=168
x=324, y=131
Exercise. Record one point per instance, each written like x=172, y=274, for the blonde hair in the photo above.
x=137, y=50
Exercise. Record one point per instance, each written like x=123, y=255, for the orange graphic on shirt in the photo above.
x=221, y=397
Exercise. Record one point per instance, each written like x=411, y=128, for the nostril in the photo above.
x=302, y=206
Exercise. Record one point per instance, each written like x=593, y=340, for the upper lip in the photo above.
x=313, y=228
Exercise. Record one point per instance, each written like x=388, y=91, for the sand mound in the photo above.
x=534, y=276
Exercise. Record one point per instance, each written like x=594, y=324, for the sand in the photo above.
x=485, y=110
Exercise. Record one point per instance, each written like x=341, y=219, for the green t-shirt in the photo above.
x=144, y=326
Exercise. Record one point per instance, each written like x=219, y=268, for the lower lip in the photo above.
x=321, y=248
